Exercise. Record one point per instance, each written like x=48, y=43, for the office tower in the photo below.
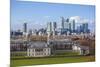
x=49, y=28
x=54, y=25
x=25, y=28
x=65, y=27
x=72, y=21
x=67, y=20
x=49, y=31
x=79, y=29
x=54, y=28
x=85, y=27
x=66, y=24
x=62, y=24
x=70, y=27
x=30, y=32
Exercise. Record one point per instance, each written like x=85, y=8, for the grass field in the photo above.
x=50, y=60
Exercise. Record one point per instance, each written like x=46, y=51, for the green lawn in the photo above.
x=50, y=60
x=55, y=55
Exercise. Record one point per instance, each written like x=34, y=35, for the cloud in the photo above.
x=85, y=21
x=78, y=19
x=46, y=16
x=75, y=17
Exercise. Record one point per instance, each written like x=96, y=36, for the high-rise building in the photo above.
x=62, y=24
x=72, y=22
x=25, y=28
x=49, y=31
x=54, y=28
x=66, y=24
x=30, y=32
x=49, y=28
x=85, y=27
x=54, y=25
x=79, y=29
x=70, y=27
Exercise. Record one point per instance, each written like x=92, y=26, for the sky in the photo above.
x=37, y=14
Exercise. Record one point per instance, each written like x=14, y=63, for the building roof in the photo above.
x=61, y=42
x=37, y=44
x=18, y=41
x=81, y=46
x=84, y=47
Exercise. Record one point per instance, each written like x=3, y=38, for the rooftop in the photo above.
x=37, y=44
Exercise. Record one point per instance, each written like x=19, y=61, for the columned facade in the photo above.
x=38, y=52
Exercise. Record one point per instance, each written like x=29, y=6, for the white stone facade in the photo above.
x=38, y=52
x=83, y=50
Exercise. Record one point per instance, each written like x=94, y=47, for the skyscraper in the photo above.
x=70, y=27
x=49, y=28
x=66, y=24
x=62, y=24
x=49, y=31
x=85, y=27
x=72, y=21
x=25, y=28
x=30, y=32
x=54, y=25
x=54, y=28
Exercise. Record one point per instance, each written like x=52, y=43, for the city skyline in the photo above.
x=37, y=14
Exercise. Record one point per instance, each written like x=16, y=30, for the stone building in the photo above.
x=38, y=49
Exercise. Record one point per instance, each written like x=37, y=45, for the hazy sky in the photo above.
x=37, y=14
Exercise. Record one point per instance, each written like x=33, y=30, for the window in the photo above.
x=44, y=49
x=48, y=49
x=38, y=50
x=44, y=53
x=28, y=50
x=33, y=50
